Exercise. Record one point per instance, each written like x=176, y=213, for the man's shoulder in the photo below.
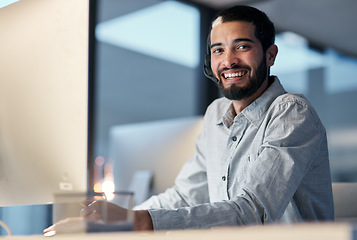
x=301, y=105
x=279, y=96
x=217, y=109
x=293, y=98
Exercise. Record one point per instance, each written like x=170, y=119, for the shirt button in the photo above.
x=234, y=138
x=223, y=178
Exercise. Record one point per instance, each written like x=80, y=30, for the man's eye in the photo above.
x=217, y=50
x=243, y=47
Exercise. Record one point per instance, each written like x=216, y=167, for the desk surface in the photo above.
x=325, y=231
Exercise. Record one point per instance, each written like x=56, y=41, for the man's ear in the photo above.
x=271, y=55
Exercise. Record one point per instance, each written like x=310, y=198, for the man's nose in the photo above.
x=230, y=59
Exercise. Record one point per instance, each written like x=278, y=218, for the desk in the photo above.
x=313, y=231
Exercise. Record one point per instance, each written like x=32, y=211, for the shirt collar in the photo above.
x=256, y=110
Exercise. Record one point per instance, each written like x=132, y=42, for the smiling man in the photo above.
x=262, y=154
x=239, y=62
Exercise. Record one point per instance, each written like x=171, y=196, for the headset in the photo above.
x=207, y=70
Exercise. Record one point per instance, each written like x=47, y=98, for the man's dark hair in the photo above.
x=264, y=29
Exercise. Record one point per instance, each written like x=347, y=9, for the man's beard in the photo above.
x=255, y=82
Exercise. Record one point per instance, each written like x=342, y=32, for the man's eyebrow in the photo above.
x=235, y=41
x=243, y=40
x=215, y=45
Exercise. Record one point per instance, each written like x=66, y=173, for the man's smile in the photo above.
x=232, y=75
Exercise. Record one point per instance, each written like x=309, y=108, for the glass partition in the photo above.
x=146, y=67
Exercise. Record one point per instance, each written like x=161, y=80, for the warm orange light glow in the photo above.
x=98, y=187
x=108, y=189
x=105, y=186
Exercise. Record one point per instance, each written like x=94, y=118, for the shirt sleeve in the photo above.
x=293, y=138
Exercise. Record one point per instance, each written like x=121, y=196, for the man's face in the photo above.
x=237, y=59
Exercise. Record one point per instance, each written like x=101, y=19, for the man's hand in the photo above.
x=109, y=212
x=104, y=212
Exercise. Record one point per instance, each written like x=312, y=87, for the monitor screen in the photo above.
x=162, y=149
x=43, y=100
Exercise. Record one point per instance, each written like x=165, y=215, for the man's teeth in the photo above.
x=233, y=75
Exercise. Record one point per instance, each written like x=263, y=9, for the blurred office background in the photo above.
x=148, y=67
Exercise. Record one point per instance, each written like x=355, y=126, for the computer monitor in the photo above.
x=158, y=147
x=43, y=100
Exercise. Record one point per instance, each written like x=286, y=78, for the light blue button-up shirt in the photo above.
x=268, y=164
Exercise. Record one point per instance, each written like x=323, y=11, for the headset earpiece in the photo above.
x=207, y=70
